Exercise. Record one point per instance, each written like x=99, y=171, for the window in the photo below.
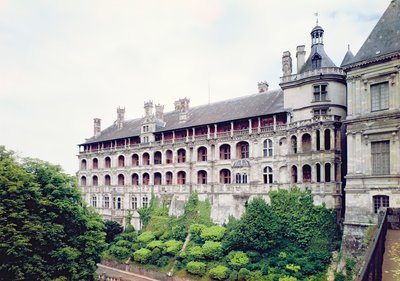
x=244, y=178
x=294, y=174
x=135, y=160
x=316, y=61
x=95, y=164
x=225, y=152
x=121, y=179
x=94, y=201
x=181, y=156
x=202, y=154
x=146, y=159
x=380, y=154
x=169, y=157
x=306, y=173
x=380, y=201
x=106, y=202
x=202, y=177
x=157, y=158
x=306, y=143
x=107, y=162
x=119, y=203
x=121, y=161
x=327, y=172
x=318, y=168
x=225, y=176
x=320, y=111
x=380, y=96
x=135, y=179
x=95, y=181
x=268, y=176
x=107, y=180
x=318, y=138
x=293, y=141
x=243, y=150
x=157, y=178
x=181, y=177
x=268, y=149
x=320, y=92
x=238, y=178
x=145, y=202
x=168, y=178
x=83, y=165
x=146, y=179
x=134, y=203
x=83, y=181
x=327, y=139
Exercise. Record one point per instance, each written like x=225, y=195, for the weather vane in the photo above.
x=316, y=15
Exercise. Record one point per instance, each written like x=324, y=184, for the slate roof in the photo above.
x=347, y=57
x=384, y=38
x=233, y=109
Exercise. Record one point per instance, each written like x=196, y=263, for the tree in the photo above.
x=112, y=230
x=46, y=232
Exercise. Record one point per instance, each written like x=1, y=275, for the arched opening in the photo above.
x=169, y=157
x=135, y=179
x=293, y=142
x=327, y=139
x=294, y=174
x=202, y=154
x=107, y=180
x=225, y=152
x=306, y=173
x=202, y=177
x=327, y=172
x=244, y=178
x=135, y=160
x=83, y=164
x=107, y=162
x=95, y=181
x=242, y=150
x=181, y=155
x=83, y=180
x=318, y=170
x=283, y=174
x=121, y=161
x=95, y=163
x=157, y=178
x=318, y=139
x=168, y=178
x=283, y=148
x=238, y=178
x=157, y=158
x=121, y=179
x=225, y=176
x=268, y=175
x=306, y=143
x=146, y=179
x=268, y=149
x=181, y=177
x=146, y=159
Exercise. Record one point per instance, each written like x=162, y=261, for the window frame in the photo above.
x=380, y=157
x=378, y=96
x=320, y=92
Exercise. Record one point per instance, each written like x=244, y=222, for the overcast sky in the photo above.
x=63, y=63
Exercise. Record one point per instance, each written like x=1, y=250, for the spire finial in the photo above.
x=348, y=47
x=316, y=15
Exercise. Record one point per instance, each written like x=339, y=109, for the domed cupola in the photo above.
x=317, y=36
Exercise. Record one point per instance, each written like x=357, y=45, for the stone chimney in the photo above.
x=96, y=126
x=159, y=111
x=286, y=63
x=120, y=117
x=263, y=86
x=182, y=104
x=301, y=57
x=148, y=108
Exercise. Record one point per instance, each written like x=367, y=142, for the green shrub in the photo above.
x=243, y=274
x=173, y=247
x=142, y=255
x=123, y=243
x=146, y=237
x=196, y=228
x=238, y=259
x=340, y=277
x=155, y=255
x=212, y=249
x=287, y=278
x=196, y=252
x=233, y=276
x=155, y=244
x=215, y=233
x=197, y=268
x=292, y=267
x=219, y=273
x=129, y=228
x=162, y=261
x=120, y=253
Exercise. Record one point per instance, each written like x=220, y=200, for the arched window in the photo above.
x=327, y=172
x=135, y=160
x=168, y=178
x=202, y=177
x=244, y=178
x=225, y=152
x=157, y=178
x=316, y=61
x=95, y=163
x=135, y=179
x=293, y=142
x=146, y=159
x=146, y=179
x=268, y=175
x=202, y=154
x=268, y=149
x=181, y=155
x=94, y=201
x=83, y=180
x=107, y=180
x=306, y=143
x=318, y=168
x=121, y=179
x=306, y=173
x=169, y=156
x=181, y=177
x=238, y=178
x=327, y=139
x=107, y=162
x=145, y=202
x=225, y=176
x=134, y=203
x=83, y=164
x=380, y=201
x=95, y=181
x=157, y=158
x=318, y=137
x=121, y=161
x=242, y=150
x=294, y=174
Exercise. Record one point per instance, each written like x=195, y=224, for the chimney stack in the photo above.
x=182, y=104
x=120, y=117
x=301, y=57
x=96, y=126
x=286, y=63
x=159, y=111
x=148, y=108
x=263, y=87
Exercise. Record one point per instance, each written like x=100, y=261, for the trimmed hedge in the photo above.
x=197, y=268
x=173, y=247
x=215, y=233
x=219, y=273
x=142, y=255
x=212, y=249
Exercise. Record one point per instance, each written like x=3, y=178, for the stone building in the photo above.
x=227, y=151
x=373, y=124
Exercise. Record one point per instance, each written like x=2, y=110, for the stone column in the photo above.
x=215, y=130
x=332, y=139
x=173, y=136
x=250, y=126
x=259, y=125
x=314, y=173
x=187, y=134
x=231, y=129
x=194, y=133
x=274, y=122
x=208, y=131
x=313, y=140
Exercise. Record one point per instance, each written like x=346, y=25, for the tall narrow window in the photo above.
x=306, y=173
x=95, y=181
x=106, y=202
x=268, y=175
x=94, y=201
x=293, y=141
x=380, y=201
x=202, y=177
x=107, y=162
x=316, y=61
x=225, y=176
x=134, y=203
x=146, y=159
x=146, y=179
x=202, y=154
x=380, y=152
x=107, y=180
x=168, y=178
x=242, y=150
x=327, y=139
x=268, y=149
x=145, y=202
x=169, y=156
x=157, y=158
x=121, y=161
x=83, y=181
x=135, y=179
x=157, y=178
x=225, y=152
x=306, y=143
x=181, y=177
x=95, y=163
x=119, y=203
x=83, y=164
x=238, y=178
x=380, y=96
x=181, y=156
x=320, y=92
x=121, y=179
x=328, y=172
x=135, y=160
x=318, y=168
x=318, y=138
x=294, y=174
x=244, y=178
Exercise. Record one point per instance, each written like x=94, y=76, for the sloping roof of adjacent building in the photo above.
x=233, y=109
x=384, y=38
x=348, y=57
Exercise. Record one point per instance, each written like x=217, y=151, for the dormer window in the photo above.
x=316, y=61
x=320, y=92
